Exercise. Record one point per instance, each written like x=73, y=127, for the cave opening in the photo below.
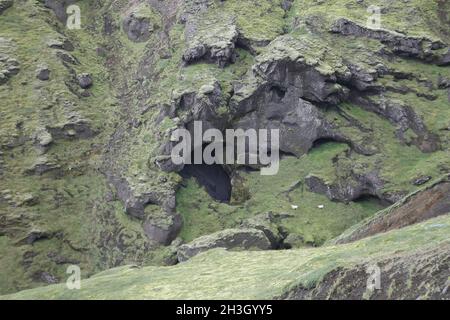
x=278, y=93
x=368, y=198
x=321, y=141
x=213, y=177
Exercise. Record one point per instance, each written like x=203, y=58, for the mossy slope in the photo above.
x=219, y=274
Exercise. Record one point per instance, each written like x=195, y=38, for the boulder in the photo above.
x=229, y=239
x=85, y=80
x=421, y=180
x=42, y=138
x=266, y=222
x=140, y=24
x=443, y=83
x=8, y=67
x=160, y=226
x=211, y=40
x=43, y=73
x=41, y=166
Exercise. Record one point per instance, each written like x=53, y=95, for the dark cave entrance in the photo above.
x=321, y=141
x=213, y=177
x=368, y=198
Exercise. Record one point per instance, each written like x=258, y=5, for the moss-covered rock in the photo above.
x=244, y=239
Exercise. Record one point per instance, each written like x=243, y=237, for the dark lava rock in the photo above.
x=443, y=83
x=85, y=80
x=59, y=259
x=166, y=164
x=4, y=77
x=211, y=41
x=46, y=277
x=445, y=59
x=67, y=58
x=421, y=180
x=43, y=73
x=286, y=4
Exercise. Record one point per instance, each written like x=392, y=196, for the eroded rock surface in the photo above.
x=412, y=47
x=229, y=239
x=140, y=23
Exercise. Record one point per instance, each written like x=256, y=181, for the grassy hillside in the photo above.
x=219, y=274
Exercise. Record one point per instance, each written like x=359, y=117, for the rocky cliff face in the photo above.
x=360, y=95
